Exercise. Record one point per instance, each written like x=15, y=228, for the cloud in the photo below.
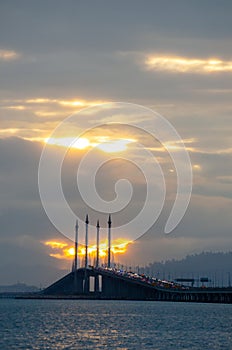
x=35, y=118
x=47, y=101
x=17, y=108
x=180, y=64
x=8, y=55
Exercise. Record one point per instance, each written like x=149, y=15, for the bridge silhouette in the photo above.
x=107, y=283
x=95, y=282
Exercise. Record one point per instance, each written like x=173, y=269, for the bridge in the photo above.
x=95, y=282
x=107, y=283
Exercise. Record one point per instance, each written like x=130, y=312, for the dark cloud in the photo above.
x=43, y=26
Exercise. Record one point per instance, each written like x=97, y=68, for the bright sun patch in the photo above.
x=114, y=145
x=62, y=250
x=187, y=65
x=80, y=143
x=104, y=144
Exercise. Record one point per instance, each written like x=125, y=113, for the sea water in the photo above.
x=83, y=324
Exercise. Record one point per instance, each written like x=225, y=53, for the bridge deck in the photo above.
x=102, y=283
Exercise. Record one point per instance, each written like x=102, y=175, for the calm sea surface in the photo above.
x=66, y=324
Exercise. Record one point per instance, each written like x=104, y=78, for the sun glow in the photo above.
x=62, y=250
x=112, y=146
x=8, y=55
x=187, y=65
x=102, y=143
x=70, y=252
x=56, y=245
x=196, y=167
x=80, y=143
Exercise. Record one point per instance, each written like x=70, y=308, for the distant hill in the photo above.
x=18, y=288
x=216, y=266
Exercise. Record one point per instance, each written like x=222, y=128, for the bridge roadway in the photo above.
x=101, y=283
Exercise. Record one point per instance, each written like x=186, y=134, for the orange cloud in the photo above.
x=187, y=65
x=61, y=250
x=8, y=55
x=55, y=244
x=67, y=103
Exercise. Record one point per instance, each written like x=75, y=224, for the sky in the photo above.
x=58, y=57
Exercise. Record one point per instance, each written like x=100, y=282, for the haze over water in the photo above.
x=66, y=324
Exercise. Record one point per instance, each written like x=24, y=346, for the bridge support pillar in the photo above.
x=96, y=284
x=86, y=283
x=78, y=283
